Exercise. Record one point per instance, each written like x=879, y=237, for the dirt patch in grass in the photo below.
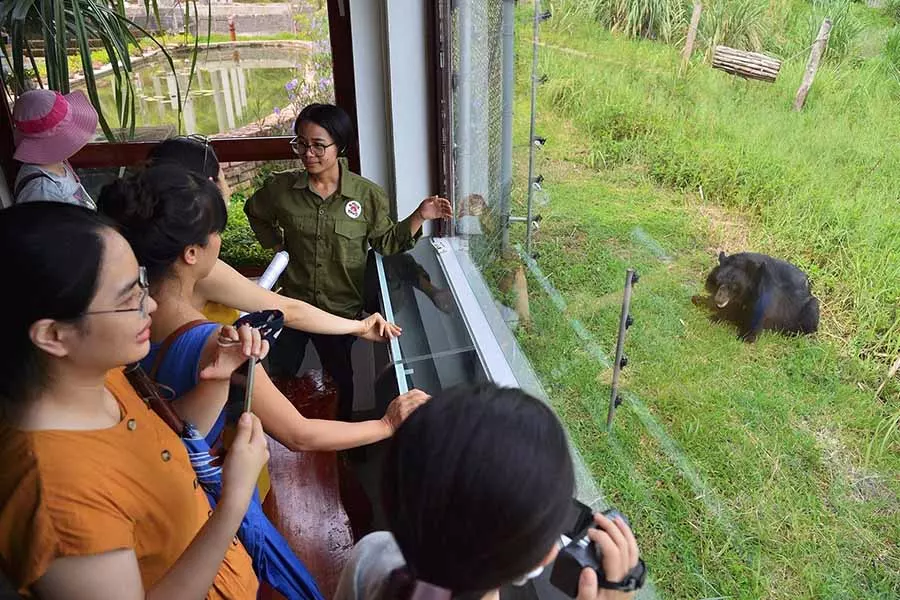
x=865, y=485
x=725, y=230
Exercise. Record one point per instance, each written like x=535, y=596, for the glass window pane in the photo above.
x=256, y=66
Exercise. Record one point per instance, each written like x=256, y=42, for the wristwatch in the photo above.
x=633, y=580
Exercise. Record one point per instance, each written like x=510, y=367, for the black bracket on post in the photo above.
x=621, y=361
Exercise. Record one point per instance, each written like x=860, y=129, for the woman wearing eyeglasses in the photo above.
x=224, y=289
x=97, y=495
x=327, y=217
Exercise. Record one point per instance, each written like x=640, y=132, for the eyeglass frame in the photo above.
x=143, y=283
x=295, y=144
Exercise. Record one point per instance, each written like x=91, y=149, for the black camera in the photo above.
x=580, y=553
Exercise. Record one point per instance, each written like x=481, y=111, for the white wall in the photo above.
x=390, y=55
x=371, y=102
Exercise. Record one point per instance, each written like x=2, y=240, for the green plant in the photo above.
x=891, y=51
x=735, y=23
x=892, y=9
x=845, y=27
x=240, y=247
x=652, y=19
x=316, y=82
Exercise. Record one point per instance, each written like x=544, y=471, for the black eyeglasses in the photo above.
x=300, y=149
x=144, y=284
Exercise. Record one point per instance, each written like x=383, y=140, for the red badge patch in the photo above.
x=353, y=209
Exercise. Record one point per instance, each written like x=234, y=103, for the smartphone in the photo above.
x=240, y=393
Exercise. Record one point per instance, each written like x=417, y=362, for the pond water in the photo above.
x=232, y=87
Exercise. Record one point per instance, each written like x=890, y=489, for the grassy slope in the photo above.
x=743, y=467
x=822, y=182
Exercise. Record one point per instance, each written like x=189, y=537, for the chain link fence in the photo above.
x=477, y=52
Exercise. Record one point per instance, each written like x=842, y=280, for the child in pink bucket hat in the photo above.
x=48, y=128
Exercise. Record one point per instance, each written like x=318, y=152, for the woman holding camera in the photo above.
x=477, y=486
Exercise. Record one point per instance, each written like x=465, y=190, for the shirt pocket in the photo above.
x=294, y=226
x=349, y=242
x=296, y=233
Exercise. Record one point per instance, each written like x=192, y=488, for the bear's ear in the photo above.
x=722, y=257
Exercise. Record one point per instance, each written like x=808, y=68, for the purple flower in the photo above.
x=290, y=85
x=277, y=111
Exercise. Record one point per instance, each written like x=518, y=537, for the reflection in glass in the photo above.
x=234, y=90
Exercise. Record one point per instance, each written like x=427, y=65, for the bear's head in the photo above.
x=734, y=281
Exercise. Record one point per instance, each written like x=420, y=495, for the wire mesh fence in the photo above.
x=477, y=52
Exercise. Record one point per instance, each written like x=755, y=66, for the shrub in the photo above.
x=653, y=19
x=239, y=245
x=735, y=23
x=891, y=51
x=845, y=27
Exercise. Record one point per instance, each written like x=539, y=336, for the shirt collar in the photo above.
x=348, y=186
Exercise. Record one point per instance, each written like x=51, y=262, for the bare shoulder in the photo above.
x=226, y=286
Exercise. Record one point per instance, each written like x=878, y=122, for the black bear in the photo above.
x=757, y=292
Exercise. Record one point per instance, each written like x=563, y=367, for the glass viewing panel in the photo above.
x=436, y=350
x=250, y=85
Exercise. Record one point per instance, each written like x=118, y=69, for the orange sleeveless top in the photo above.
x=77, y=493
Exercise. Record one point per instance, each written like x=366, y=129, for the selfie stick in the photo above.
x=248, y=391
x=625, y=321
x=267, y=281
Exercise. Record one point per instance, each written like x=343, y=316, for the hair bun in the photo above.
x=128, y=201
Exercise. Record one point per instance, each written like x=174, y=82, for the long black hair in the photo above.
x=477, y=485
x=192, y=153
x=161, y=211
x=332, y=119
x=52, y=256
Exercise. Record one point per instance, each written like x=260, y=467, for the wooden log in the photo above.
x=752, y=58
x=815, y=55
x=750, y=65
x=692, y=33
x=725, y=53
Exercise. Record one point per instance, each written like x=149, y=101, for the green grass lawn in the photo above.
x=748, y=471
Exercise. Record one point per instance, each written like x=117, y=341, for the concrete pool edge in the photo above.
x=137, y=61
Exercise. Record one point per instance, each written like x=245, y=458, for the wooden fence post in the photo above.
x=818, y=48
x=692, y=33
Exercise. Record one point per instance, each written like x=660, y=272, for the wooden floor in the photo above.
x=305, y=499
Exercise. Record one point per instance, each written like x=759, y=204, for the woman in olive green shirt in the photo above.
x=326, y=217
